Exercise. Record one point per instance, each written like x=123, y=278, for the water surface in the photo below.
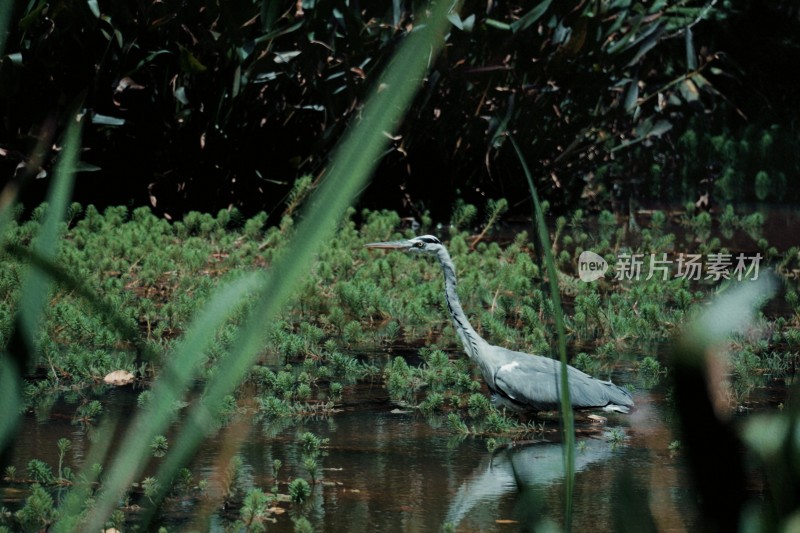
x=388, y=470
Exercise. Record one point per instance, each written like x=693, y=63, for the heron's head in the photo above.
x=424, y=244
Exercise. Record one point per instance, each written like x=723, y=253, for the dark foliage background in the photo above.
x=211, y=104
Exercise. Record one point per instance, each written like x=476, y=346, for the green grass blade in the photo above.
x=10, y=395
x=36, y=285
x=353, y=163
x=567, y=415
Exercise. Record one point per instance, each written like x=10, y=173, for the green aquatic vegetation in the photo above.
x=312, y=468
x=462, y=215
x=159, y=446
x=276, y=468
x=183, y=483
x=494, y=211
x=151, y=487
x=299, y=490
x=478, y=404
x=336, y=391
x=442, y=380
x=500, y=423
x=456, y=424
x=273, y=407
x=585, y=362
x=63, y=447
x=254, y=511
x=39, y=512
x=87, y=412
x=434, y=401
x=650, y=366
x=40, y=472
x=615, y=436
x=302, y=525
x=311, y=443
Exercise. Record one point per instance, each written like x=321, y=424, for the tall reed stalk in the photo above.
x=567, y=415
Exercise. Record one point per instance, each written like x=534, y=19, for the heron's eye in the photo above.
x=419, y=244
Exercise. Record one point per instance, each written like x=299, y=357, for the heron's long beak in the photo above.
x=390, y=245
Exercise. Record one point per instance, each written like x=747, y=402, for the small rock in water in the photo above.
x=119, y=377
x=398, y=412
x=597, y=419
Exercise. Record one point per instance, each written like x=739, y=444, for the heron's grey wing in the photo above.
x=528, y=379
x=535, y=380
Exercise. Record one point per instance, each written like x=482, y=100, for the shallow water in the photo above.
x=384, y=470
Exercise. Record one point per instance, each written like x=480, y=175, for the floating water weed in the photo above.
x=478, y=404
x=498, y=422
x=273, y=407
x=312, y=468
x=39, y=512
x=151, y=488
x=299, y=490
x=650, y=366
x=159, y=446
x=302, y=525
x=254, y=511
x=311, y=443
x=434, y=401
x=615, y=436
x=88, y=412
x=585, y=362
x=40, y=472
x=335, y=391
x=457, y=425
x=63, y=447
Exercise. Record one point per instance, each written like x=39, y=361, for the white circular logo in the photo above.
x=591, y=266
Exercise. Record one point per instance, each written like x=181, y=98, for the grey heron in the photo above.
x=516, y=380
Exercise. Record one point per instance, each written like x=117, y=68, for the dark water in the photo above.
x=393, y=471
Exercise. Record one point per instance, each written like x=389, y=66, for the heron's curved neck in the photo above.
x=469, y=337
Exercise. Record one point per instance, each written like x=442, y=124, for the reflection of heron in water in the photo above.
x=512, y=470
x=517, y=380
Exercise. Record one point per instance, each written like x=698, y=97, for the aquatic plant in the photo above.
x=151, y=487
x=299, y=490
x=615, y=436
x=302, y=525
x=63, y=446
x=182, y=484
x=159, y=446
x=457, y=425
x=253, y=513
x=276, y=467
x=312, y=468
x=87, y=412
x=311, y=443
x=39, y=512
x=650, y=366
x=40, y=472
